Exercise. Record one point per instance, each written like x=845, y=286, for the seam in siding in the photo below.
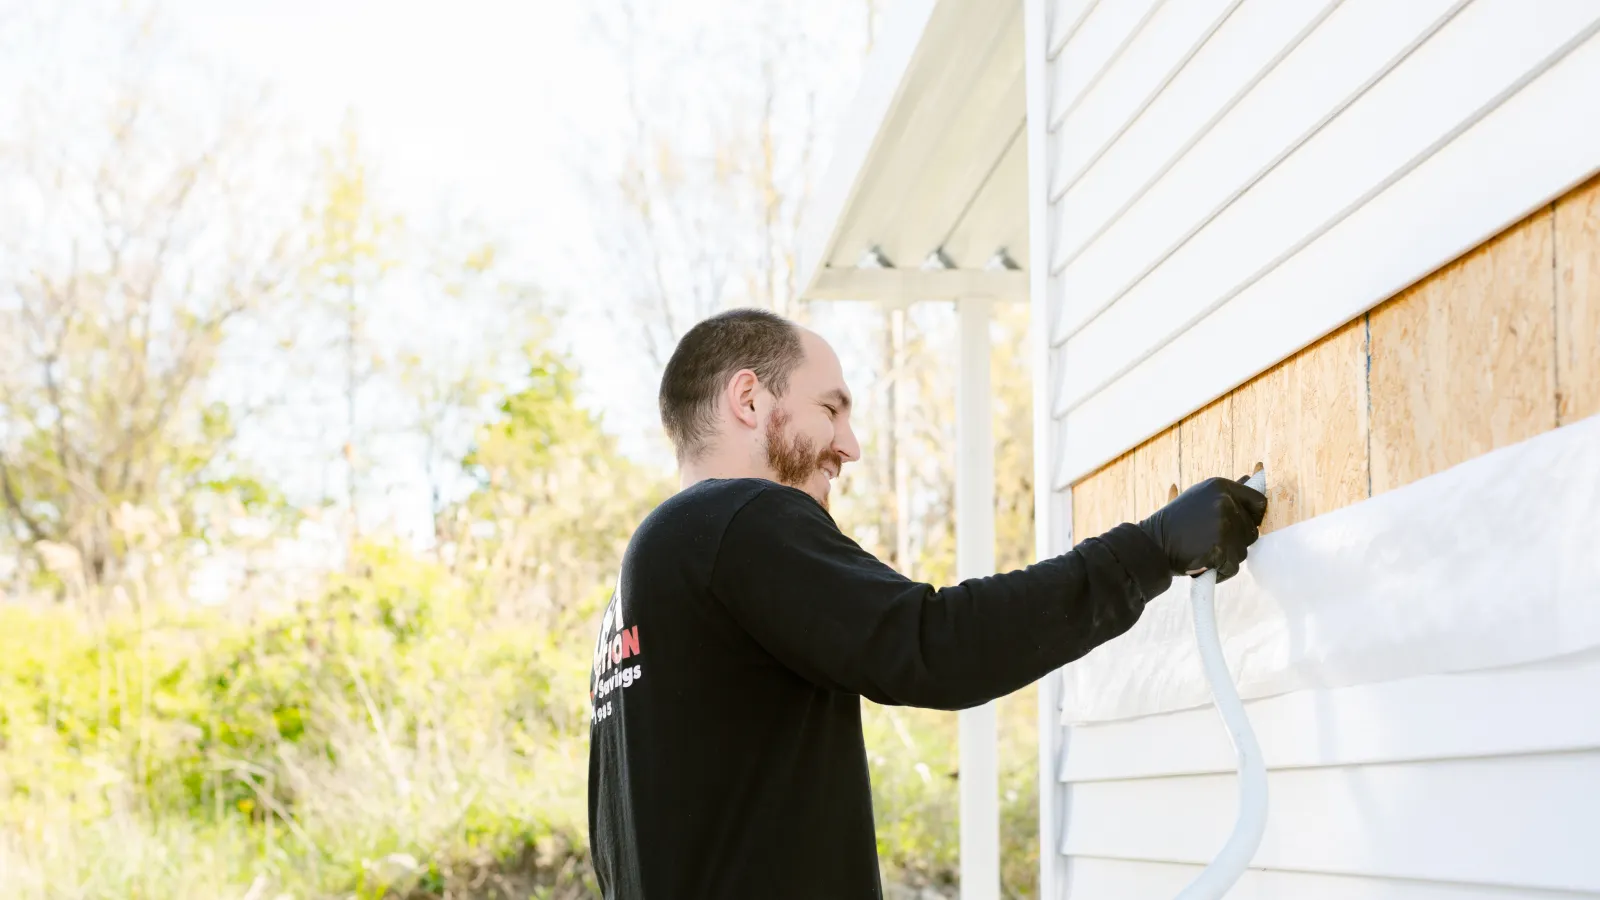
x=1519, y=892
x=1067, y=184
x=1054, y=122
x=1555, y=306
x=1057, y=267
x=1051, y=52
x=1368, y=350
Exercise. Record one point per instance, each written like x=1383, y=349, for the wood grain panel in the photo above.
x=1306, y=421
x=1103, y=500
x=1155, y=472
x=1263, y=432
x=1206, y=444
x=1461, y=363
x=1332, y=376
x=1577, y=250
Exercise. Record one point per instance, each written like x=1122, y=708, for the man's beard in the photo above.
x=795, y=459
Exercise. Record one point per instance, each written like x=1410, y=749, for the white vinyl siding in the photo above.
x=1456, y=786
x=1224, y=183
x=1352, y=146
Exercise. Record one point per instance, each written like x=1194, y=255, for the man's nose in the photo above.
x=846, y=445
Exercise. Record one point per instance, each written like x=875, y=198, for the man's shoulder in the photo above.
x=715, y=495
x=707, y=507
x=704, y=505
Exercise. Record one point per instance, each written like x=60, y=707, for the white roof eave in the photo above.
x=930, y=163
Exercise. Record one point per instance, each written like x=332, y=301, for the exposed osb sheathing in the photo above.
x=1496, y=347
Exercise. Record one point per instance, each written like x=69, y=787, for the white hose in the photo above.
x=1234, y=858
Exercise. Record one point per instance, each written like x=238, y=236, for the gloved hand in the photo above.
x=1208, y=526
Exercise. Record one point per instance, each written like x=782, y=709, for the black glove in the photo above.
x=1208, y=527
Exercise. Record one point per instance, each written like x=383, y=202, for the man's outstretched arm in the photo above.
x=840, y=618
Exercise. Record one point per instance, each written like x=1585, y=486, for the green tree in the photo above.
x=556, y=501
x=121, y=289
x=353, y=248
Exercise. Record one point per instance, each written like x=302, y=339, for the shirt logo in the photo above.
x=617, y=643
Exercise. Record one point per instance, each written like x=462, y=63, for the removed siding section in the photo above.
x=1495, y=348
x=1155, y=472
x=1463, y=363
x=1104, y=500
x=1207, y=444
x=1306, y=421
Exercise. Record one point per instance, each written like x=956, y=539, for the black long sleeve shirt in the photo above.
x=726, y=755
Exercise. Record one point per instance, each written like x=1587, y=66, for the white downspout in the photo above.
x=980, y=769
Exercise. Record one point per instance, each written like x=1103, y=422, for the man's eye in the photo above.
x=832, y=411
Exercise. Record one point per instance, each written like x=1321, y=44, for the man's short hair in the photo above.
x=708, y=355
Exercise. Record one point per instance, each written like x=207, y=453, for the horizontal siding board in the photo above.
x=1396, y=721
x=1066, y=17
x=1520, y=821
x=1466, y=70
x=1174, y=33
x=1089, y=878
x=1243, y=50
x=1528, y=151
x=1108, y=29
x=1347, y=51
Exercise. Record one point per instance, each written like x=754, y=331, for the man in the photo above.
x=726, y=755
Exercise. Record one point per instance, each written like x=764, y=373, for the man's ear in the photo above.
x=741, y=397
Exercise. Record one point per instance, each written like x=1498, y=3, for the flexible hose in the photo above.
x=1234, y=858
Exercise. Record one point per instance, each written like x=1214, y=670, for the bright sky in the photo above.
x=474, y=98
x=477, y=102
x=490, y=103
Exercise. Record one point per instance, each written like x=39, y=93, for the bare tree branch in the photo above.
x=35, y=531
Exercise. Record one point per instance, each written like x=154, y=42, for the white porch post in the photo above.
x=980, y=771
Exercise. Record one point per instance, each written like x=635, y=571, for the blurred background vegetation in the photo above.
x=309, y=502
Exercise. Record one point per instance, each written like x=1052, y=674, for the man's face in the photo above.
x=807, y=437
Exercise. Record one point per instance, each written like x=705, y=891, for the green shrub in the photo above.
x=398, y=735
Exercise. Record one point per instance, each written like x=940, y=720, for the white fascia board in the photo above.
x=883, y=82
x=900, y=287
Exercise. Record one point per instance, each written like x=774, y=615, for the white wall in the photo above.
x=1231, y=179
x=1224, y=182
x=1442, y=787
